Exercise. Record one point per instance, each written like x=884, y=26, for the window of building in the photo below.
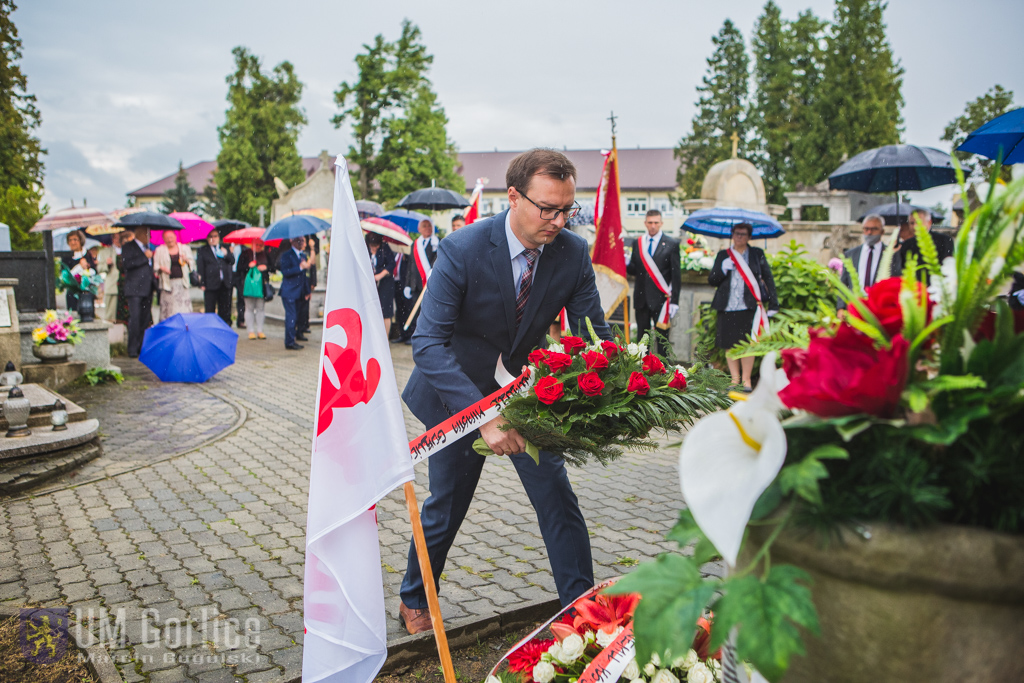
x=636, y=206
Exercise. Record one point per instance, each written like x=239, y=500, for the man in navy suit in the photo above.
x=137, y=262
x=293, y=265
x=495, y=288
x=648, y=300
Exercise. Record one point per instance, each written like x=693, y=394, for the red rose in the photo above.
x=595, y=360
x=987, y=329
x=653, y=365
x=557, y=362
x=845, y=375
x=590, y=384
x=537, y=355
x=678, y=381
x=883, y=301
x=611, y=349
x=573, y=344
x=638, y=384
x=549, y=390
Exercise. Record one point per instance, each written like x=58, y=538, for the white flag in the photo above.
x=360, y=453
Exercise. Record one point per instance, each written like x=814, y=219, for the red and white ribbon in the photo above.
x=760, y=316
x=655, y=274
x=563, y=322
x=422, y=262
x=473, y=417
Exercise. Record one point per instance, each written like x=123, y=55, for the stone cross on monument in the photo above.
x=612, y=119
x=262, y=212
x=735, y=144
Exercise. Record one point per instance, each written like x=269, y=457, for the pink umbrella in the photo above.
x=195, y=227
x=72, y=218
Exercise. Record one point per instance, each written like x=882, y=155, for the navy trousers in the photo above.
x=454, y=472
x=291, y=316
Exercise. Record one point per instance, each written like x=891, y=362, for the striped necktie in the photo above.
x=525, y=282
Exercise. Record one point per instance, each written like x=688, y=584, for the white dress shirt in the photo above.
x=515, y=252
x=656, y=239
x=862, y=264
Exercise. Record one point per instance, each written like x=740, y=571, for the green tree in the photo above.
x=21, y=165
x=807, y=40
x=721, y=111
x=772, y=117
x=258, y=138
x=995, y=102
x=859, y=98
x=181, y=197
x=401, y=142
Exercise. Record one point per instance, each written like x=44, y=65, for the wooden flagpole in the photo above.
x=415, y=308
x=428, y=580
x=625, y=316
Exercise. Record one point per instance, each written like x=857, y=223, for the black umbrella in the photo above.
x=894, y=168
x=433, y=199
x=226, y=226
x=894, y=213
x=149, y=219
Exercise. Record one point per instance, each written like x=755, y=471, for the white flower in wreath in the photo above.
x=700, y=673
x=730, y=457
x=572, y=648
x=604, y=639
x=650, y=669
x=664, y=676
x=589, y=637
x=543, y=672
x=492, y=679
x=707, y=263
x=686, y=662
x=556, y=348
x=632, y=670
x=683, y=371
x=554, y=652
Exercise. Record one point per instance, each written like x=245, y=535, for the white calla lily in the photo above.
x=729, y=458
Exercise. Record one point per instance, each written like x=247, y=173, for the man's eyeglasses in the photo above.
x=548, y=213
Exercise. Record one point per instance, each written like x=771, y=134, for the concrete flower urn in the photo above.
x=53, y=353
x=926, y=606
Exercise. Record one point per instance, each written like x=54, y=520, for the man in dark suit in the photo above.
x=424, y=248
x=647, y=298
x=213, y=264
x=496, y=286
x=402, y=304
x=866, y=257
x=293, y=266
x=943, y=245
x=137, y=262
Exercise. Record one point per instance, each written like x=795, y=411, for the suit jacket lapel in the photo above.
x=503, y=271
x=541, y=280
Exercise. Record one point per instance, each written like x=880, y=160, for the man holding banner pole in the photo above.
x=494, y=288
x=655, y=264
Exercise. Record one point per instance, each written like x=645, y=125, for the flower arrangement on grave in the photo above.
x=696, y=255
x=596, y=399
x=903, y=414
x=57, y=329
x=592, y=640
x=79, y=279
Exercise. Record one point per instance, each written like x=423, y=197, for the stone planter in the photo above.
x=53, y=353
x=930, y=606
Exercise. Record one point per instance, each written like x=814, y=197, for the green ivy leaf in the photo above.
x=686, y=530
x=767, y=612
x=674, y=596
x=802, y=477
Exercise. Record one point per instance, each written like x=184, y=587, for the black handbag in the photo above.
x=193, y=279
x=268, y=291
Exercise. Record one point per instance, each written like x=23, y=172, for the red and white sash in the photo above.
x=760, y=316
x=657, y=277
x=563, y=322
x=422, y=262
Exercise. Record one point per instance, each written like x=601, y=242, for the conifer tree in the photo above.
x=181, y=197
x=859, y=98
x=807, y=38
x=721, y=111
x=401, y=141
x=772, y=117
x=258, y=138
x=21, y=165
x=996, y=102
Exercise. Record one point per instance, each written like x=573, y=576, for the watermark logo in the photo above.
x=43, y=634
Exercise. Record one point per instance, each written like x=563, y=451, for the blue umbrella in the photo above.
x=296, y=225
x=718, y=222
x=405, y=219
x=1000, y=135
x=189, y=347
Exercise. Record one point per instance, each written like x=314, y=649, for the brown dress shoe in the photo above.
x=415, y=620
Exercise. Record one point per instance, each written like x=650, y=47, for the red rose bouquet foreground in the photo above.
x=596, y=399
x=896, y=432
x=592, y=642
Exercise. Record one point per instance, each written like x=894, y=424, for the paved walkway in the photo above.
x=196, y=551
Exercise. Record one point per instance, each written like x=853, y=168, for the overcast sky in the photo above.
x=129, y=88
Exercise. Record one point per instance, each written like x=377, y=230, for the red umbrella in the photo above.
x=244, y=236
x=386, y=229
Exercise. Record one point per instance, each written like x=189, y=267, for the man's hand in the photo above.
x=304, y=265
x=148, y=253
x=502, y=443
